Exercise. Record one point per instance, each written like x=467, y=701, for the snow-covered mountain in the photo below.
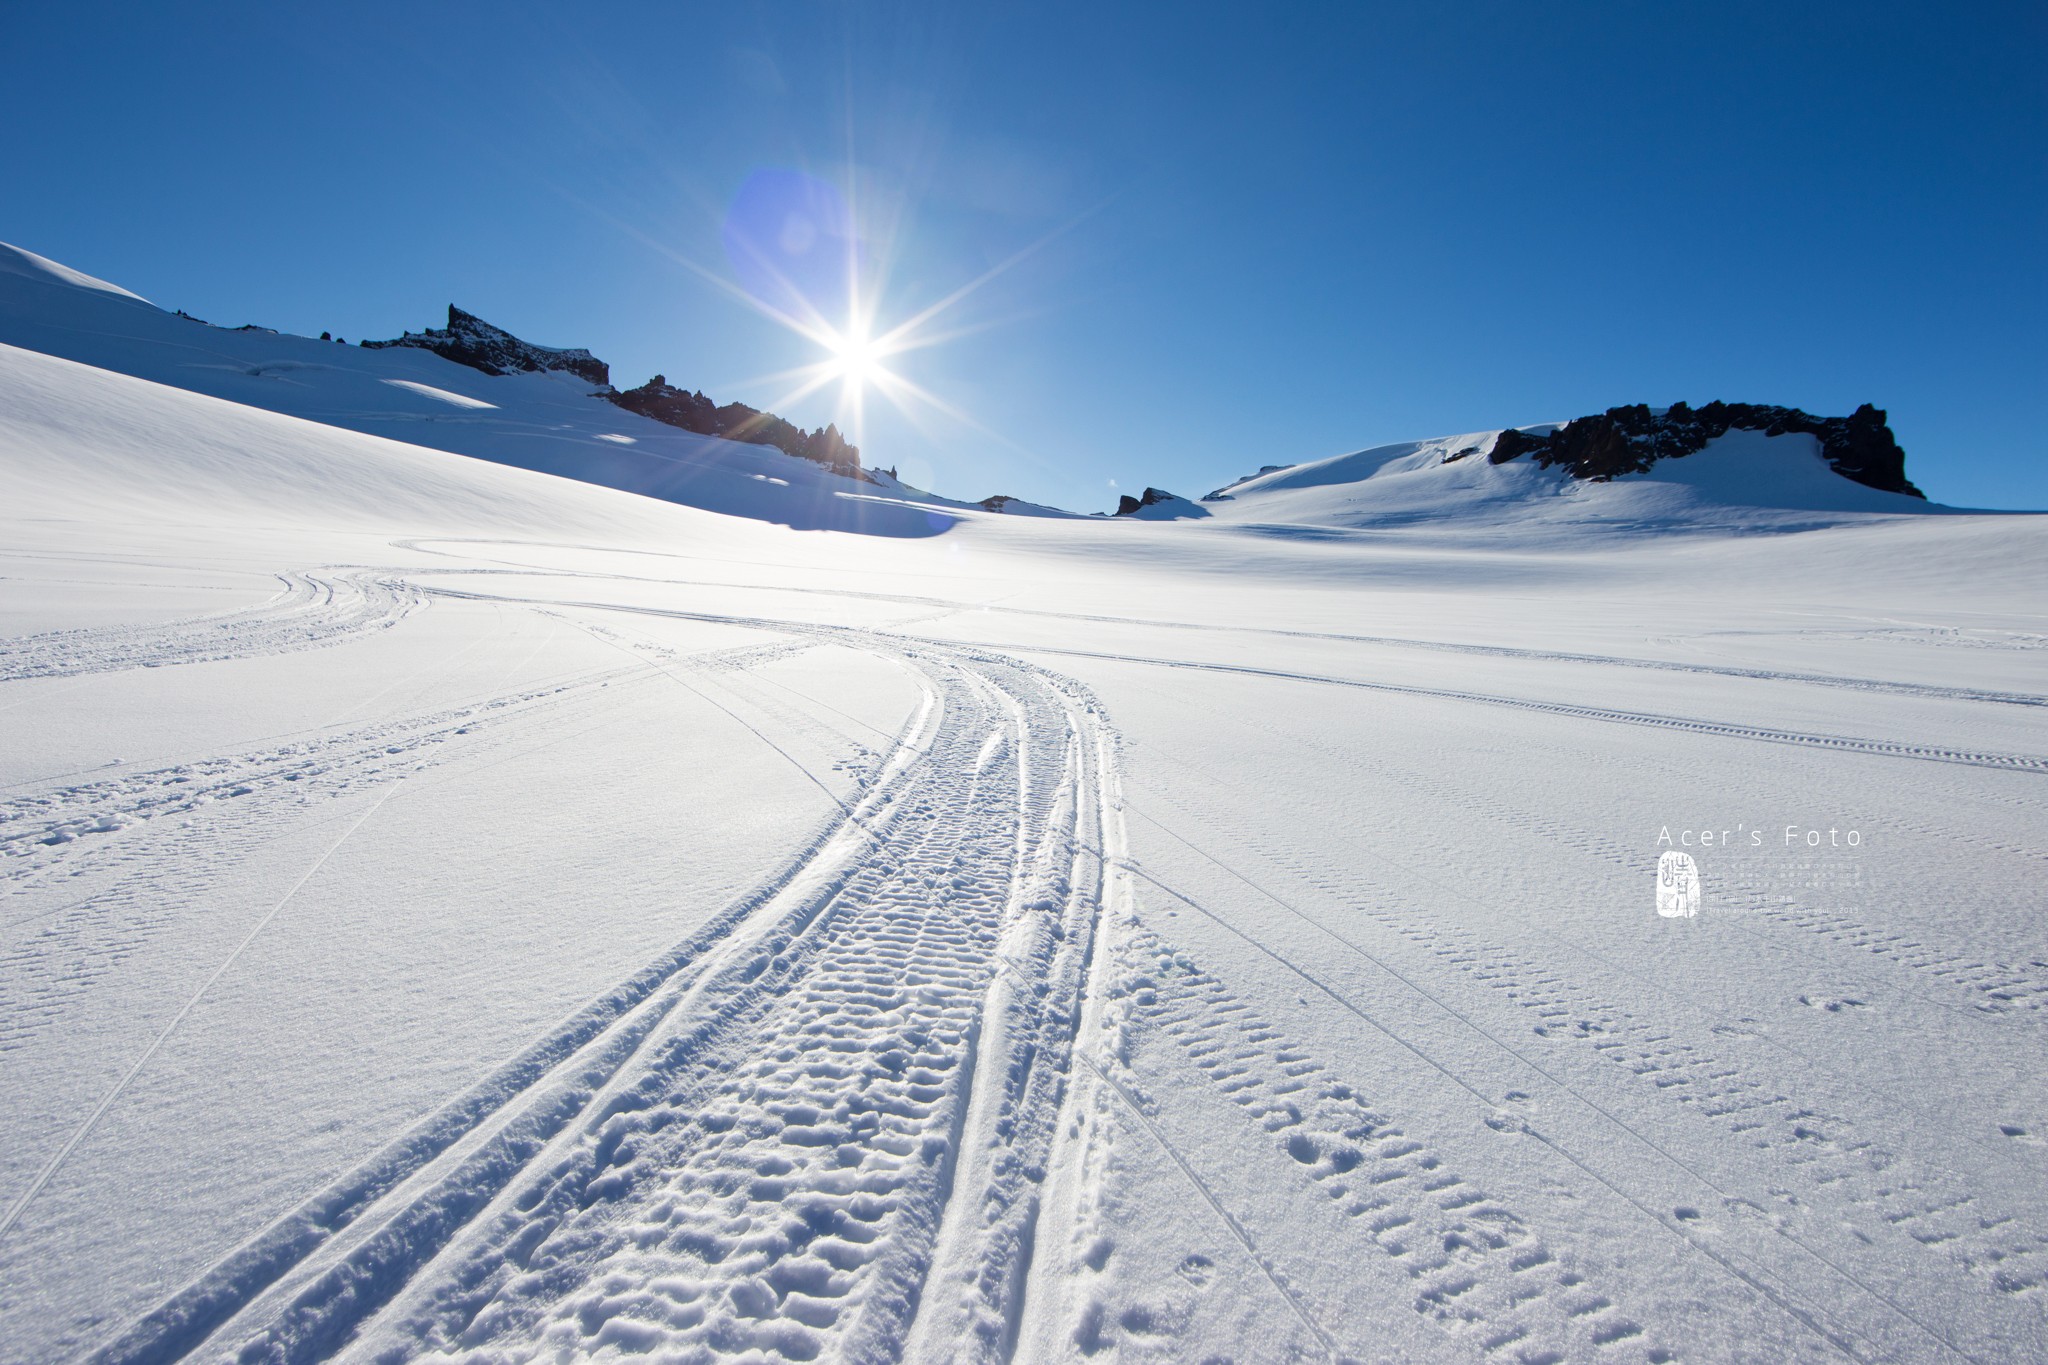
x=1734, y=467
x=475, y=389
x=471, y=388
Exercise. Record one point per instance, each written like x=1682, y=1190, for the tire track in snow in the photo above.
x=1880, y=748
x=972, y=1304
x=1838, y=1168
x=1476, y=1267
x=51, y=1167
x=134, y=846
x=948, y=606
x=832, y=1047
x=839, y=1157
x=1506, y=972
x=39, y=825
x=309, y=611
x=542, y=1088
x=1136, y=1107
x=1985, y=985
x=1844, y=743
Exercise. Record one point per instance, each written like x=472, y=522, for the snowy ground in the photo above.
x=446, y=910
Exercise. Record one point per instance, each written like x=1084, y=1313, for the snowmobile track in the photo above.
x=1881, y=748
x=819, y=1127
x=1476, y=1267
x=308, y=611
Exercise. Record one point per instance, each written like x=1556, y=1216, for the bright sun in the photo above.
x=857, y=358
x=860, y=357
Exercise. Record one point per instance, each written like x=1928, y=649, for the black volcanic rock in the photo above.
x=692, y=411
x=1628, y=440
x=469, y=340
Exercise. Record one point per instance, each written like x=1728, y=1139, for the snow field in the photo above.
x=449, y=912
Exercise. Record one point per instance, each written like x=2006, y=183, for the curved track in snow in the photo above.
x=846, y=1118
x=308, y=610
x=816, y=1128
x=1880, y=748
x=948, y=606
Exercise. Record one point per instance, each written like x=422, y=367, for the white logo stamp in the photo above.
x=1678, y=885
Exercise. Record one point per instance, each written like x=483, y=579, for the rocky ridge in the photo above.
x=1159, y=504
x=692, y=411
x=1628, y=440
x=469, y=340
x=1598, y=448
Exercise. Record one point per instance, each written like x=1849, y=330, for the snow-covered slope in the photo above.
x=544, y=421
x=453, y=912
x=17, y=264
x=547, y=420
x=1741, y=480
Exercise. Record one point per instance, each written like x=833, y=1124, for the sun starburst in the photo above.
x=858, y=354
x=856, y=358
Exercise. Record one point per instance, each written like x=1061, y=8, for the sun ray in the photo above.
x=801, y=392
x=1000, y=268
x=932, y=400
x=927, y=340
x=819, y=331
x=777, y=376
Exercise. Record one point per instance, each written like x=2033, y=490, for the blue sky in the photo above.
x=1250, y=237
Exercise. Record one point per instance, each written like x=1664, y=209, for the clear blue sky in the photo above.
x=1275, y=235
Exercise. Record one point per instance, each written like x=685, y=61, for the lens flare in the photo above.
x=800, y=256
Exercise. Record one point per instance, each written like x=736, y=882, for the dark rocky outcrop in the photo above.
x=1127, y=505
x=469, y=340
x=1010, y=505
x=692, y=411
x=1628, y=440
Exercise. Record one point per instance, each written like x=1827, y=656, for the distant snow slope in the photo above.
x=1743, y=480
x=453, y=912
